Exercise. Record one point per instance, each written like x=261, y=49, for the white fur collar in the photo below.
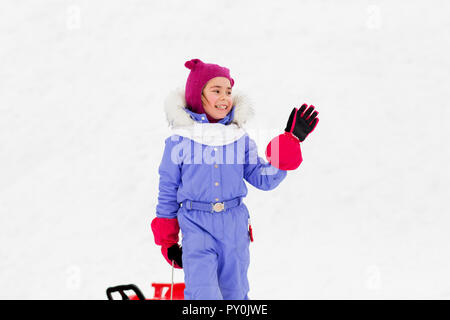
x=177, y=117
x=212, y=134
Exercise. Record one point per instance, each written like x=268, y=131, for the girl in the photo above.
x=201, y=187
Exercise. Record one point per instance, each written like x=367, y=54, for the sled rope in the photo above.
x=171, y=286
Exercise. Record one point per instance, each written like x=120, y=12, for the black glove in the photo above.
x=174, y=253
x=305, y=122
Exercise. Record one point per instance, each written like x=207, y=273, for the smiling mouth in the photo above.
x=221, y=107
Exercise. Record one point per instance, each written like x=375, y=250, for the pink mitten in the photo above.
x=166, y=231
x=283, y=151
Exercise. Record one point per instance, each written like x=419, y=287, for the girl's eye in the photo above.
x=229, y=92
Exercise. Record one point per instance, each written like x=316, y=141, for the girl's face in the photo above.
x=216, y=97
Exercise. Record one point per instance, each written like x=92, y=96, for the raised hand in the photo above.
x=283, y=151
x=301, y=123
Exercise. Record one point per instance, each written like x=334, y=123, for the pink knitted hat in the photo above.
x=200, y=74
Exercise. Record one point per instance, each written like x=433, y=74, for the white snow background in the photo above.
x=82, y=128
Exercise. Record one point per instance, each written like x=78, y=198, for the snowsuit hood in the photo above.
x=178, y=114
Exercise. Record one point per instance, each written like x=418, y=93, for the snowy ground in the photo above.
x=82, y=85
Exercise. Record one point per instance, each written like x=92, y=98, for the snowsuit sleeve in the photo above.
x=169, y=180
x=258, y=172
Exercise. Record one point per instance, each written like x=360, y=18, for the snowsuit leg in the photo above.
x=234, y=259
x=215, y=253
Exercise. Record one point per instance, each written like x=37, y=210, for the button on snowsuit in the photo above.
x=208, y=162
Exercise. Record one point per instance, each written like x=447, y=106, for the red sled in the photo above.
x=163, y=291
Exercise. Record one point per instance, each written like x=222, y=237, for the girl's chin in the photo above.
x=220, y=111
x=219, y=114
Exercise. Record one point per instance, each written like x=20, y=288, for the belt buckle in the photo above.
x=218, y=206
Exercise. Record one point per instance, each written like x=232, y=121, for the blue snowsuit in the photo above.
x=215, y=244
